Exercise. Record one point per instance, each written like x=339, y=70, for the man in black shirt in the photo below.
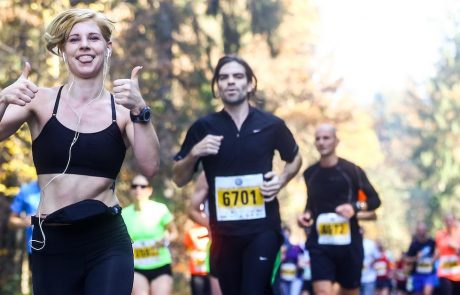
x=420, y=256
x=335, y=243
x=236, y=148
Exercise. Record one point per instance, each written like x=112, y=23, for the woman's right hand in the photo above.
x=20, y=92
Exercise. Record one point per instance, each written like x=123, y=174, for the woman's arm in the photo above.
x=142, y=136
x=15, y=104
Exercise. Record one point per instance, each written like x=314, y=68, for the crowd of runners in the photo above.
x=83, y=242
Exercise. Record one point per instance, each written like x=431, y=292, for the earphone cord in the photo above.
x=74, y=140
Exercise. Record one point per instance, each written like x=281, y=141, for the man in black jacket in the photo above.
x=335, y=243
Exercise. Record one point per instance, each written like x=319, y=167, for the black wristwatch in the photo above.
x=143, y=117
x=359, y=206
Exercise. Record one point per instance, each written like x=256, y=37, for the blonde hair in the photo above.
x=59, y=29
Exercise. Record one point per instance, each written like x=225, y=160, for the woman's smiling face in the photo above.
x=86, y=50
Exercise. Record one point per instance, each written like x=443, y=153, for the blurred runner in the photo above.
x=384, y=270
x=421, y=256
x=335, y=243
x=151, y=227
x=448, y=247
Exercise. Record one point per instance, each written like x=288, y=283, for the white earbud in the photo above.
x=109, y=52
x=63, y=57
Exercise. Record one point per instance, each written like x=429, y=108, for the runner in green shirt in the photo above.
x=150, y=225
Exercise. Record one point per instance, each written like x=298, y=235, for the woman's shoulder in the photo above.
x=122, y=112
x=45, y=94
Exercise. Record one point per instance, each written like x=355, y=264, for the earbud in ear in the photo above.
x=63, y=57
x=109, y=52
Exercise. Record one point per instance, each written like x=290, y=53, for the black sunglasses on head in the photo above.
x=133, y=185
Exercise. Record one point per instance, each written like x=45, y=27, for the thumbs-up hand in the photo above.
x=22, y=91
x=126, y=92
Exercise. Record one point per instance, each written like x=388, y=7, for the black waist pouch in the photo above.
x=83, y=211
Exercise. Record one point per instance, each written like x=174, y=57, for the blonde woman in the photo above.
x=80, y=134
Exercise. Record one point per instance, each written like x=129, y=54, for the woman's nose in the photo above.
x=84, y=43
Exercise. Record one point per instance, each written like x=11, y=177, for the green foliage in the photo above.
x=11, y=286
x=432, y=125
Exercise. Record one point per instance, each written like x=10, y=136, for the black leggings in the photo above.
x=244, y=264
x=200, y=285
x=448, y=287
x=89, y=256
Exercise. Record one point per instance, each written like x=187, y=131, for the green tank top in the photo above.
x=147, y=230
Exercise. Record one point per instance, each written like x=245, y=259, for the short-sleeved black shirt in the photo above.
x=427, y=249
x=249, y=150
x=329, y=187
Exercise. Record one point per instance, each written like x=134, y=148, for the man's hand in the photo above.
x=305, y=219
x=271, y=186
x=345, y=210
x=209, y=145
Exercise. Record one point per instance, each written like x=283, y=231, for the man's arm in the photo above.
x=372, y=200
x=183, y=169
x=198, y=198
x=290, y=170
x=367, y=215
x=274, y=183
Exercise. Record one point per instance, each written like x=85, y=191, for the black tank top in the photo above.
x=94, y=154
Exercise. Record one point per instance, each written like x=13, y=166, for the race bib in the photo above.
x=333, y=229
x=146, y=252
x=424, y=265
x=448, y=265
x=239, y=197
x=288, y=271
x=304, y=263
x=380, y=268
x=199, y=261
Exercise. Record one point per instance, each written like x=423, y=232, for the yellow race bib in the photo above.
x=449, y=265
x=333, y=229
x=239, y=197
x=235, y=198
x=146, y=252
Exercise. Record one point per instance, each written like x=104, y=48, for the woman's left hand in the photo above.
x=126, y=92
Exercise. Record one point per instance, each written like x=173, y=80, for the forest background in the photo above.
x=406, y=140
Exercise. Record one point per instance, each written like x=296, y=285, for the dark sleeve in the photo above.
x=432, y=247
x=285, y=143
x=308, y=206
x=194, y=135
x=373, y=200
x=412, y=252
